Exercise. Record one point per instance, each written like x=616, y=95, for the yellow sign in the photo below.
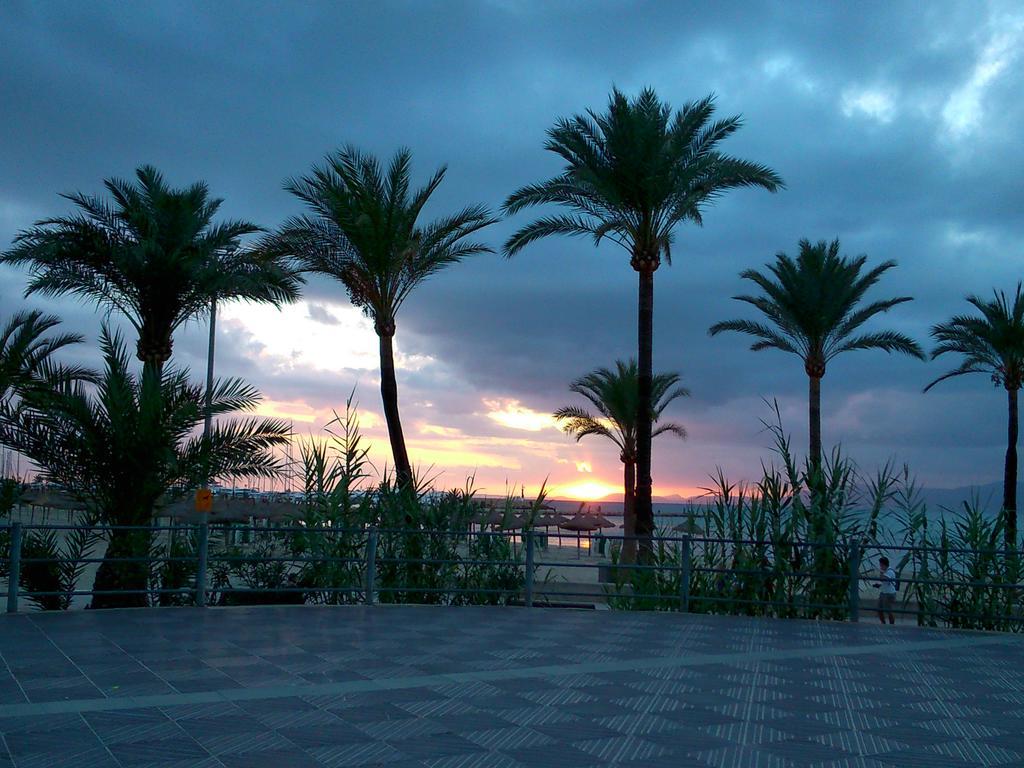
x=204, y=500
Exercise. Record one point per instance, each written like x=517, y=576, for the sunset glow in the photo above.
x=588, y=490
x=510, y=413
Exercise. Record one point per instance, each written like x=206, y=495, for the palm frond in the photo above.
x=123, y=444
x=27, y=349
x=812, y=306
x=670, y=427
x=991, y=343
x=152, y=253
x=363, y=229
x=614, y=393
x=964, y=369
x=547, y=226
x=634, y=172
x=888, y=341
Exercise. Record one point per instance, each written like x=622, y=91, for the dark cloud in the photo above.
x=887, y=122
x=321, y=314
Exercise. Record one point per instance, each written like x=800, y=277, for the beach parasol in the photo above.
x=494, y=518
x=579, y=524
x=514, y=523
x=547, y=521
x=480, y=518
x=53, y=498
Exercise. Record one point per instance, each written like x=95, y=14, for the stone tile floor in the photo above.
x=499, y=688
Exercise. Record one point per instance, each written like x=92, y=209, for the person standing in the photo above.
x=886, y=590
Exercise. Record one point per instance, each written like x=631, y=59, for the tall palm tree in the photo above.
x=154, y=254
x=814, y=310
x=26, y=353
x=129, y=444
x=614, y=395
x=631, y=175
x=363, y=229
x=992, y=343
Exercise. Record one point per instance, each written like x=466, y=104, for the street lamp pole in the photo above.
x=204, y=499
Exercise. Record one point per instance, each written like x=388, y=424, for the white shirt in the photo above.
x=888, y=583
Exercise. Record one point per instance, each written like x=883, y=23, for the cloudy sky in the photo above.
x=896, y=127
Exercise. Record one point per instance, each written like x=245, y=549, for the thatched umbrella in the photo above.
x=47, y=498
x=690, y=526
x=602, y=522
x=547, y=521
x=513, y=523
x=54, y=498
x=492, y=518
x=579, y=524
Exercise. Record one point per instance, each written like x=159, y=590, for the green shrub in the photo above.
x=54, y=565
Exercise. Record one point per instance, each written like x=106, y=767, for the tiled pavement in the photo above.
x=499, y=688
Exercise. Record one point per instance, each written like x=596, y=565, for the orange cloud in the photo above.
x=289, y=411
x=512, y=414
x=437, y=429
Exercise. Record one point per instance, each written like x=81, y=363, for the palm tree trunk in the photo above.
x=645, y=342
x=389, y=398
x=629, y=513
x=1010, y=472
x=814, y=420
x=153, y=368
x=154, y=347
x=127, y=580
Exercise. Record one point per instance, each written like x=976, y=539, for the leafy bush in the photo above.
x=54, y=565
x=960, y=575
x=174, y=567
x=780, y=547
x=335, y=513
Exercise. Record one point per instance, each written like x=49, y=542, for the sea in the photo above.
x=939, y=504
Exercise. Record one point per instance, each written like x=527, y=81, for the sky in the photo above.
x=896, y=127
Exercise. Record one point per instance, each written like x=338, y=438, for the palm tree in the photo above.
x=614, y=395
x=992, y=343
x=813, y=307
x=154, y=254
x=363, y=230
x=631, y=175
x=132, y=445
x=26, y=353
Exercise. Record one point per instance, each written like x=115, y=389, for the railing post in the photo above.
x=684, y=576
x=529, y=569
x=854, y=581
x=14, y=569
x=204, y=549
x=371, y=567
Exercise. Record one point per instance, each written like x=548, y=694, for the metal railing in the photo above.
x=204, y=564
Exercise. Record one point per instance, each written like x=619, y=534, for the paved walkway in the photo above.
x=499, y=688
